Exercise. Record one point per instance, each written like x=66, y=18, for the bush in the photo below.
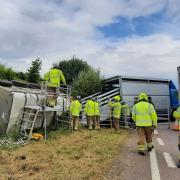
x=87, y=83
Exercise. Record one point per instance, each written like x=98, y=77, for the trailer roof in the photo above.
x=116, y=79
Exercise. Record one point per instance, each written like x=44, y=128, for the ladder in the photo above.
x=28, y=118
x=29, y=114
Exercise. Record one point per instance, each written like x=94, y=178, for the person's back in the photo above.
x=96, y=114
x=75, y=108
x=89, y=108
x=54, y=77
x=145, y=117
x=89, y=111
x=96, y=109
x=143, y=114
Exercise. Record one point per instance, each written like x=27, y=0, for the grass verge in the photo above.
x=80, y=155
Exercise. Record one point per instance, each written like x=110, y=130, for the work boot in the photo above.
x=141, y=153
x=117, y=131
x=97, y=127
x=90, y=128
x=150, y=148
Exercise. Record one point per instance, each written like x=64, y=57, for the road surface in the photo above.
x=159, y=164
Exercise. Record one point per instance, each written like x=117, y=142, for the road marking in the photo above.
x=160, y=141
x=154, y=166
x=169, y=160
x=156, y=132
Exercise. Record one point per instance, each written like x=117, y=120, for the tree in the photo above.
x=87, y=83
x=2, y=72
x=71, y=68
x=10, y=74
x=21, y=76
x=33, y=73
x=6, y=73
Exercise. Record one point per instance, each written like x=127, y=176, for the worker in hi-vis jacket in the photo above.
x=75, y=109
x=89, y=111
x=145, y=118
x=54, y=77
x=116, y=108
x=96, y=114
x=176, y=115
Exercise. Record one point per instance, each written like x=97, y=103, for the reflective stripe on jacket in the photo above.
x=89, y=108
x=75, y=108
x=144, y=114
x=176, y=113
x=96, y=109
x=54, y=77
x=116, y=109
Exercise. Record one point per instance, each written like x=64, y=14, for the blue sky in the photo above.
x=140, y=26
x=122, y=37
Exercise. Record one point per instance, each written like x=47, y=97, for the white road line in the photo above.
x=169, y=160
x=156, y=132
x=160, y=141
x=154, y=166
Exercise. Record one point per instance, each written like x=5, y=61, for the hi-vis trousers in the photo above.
x=90, y=120
x=74, y=122
x=96, y=122
x=145, y=136
x=52, y=96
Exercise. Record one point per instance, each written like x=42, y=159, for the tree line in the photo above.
x=84, y=79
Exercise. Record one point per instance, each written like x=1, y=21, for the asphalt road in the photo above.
x=159, y=164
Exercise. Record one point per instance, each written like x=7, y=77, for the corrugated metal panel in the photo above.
x=134, y=88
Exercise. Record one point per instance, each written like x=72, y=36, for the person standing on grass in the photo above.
x=89, y=111
x=75, y=109
x=96, y=114
x=116, y=107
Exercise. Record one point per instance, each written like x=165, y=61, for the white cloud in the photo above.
x=63, y=28
x=156, y=55
x=173, y=10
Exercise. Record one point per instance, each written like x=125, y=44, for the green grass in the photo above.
x=79, y=155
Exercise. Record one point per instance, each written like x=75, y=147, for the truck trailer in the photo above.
x=14, y=97
x=163, y=93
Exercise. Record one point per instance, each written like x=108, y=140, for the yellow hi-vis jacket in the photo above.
x=75, y=108
x=126, y=109
x=89, y=108
x=116, y=109
x=54, y=77
x=176, y=113
x=96, y=109
x=144, y=114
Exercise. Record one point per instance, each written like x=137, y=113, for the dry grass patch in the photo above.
x=80, y=155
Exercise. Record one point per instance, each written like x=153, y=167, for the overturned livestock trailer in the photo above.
x=14, y=97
